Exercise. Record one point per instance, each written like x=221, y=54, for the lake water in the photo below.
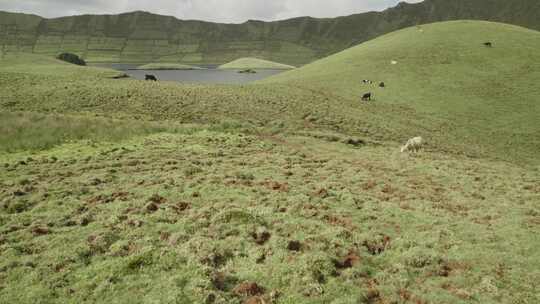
x=210, y=75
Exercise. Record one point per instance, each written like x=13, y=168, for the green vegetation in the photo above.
x=483, y=99
x=285, y=191
x=71, y=58
x=441, y=91
x=145, y=37
x=34, y=131
x=187, y=218
x=167, y=66
x=20, y=67
x=255, y=64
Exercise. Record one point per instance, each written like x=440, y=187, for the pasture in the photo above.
x=288, y=190
x=464, y=92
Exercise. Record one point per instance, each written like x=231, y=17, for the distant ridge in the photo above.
x=144, y=37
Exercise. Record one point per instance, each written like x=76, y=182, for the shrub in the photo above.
x=71, y=58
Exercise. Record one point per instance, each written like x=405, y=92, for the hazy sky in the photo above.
x=211, y=10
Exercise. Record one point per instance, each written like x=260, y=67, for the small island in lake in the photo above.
x=167, y=66
x=245, y=64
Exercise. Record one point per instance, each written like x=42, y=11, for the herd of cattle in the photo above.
x=369, y=95
x=413, y=144
x=416, y=143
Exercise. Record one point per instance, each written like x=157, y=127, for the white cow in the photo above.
x=413, y=144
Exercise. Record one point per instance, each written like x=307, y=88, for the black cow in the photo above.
x=382, y=85
x=488, y=44
x=366, y=97
x=150, y=77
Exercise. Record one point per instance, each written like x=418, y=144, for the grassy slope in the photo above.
x=144, y=37
x=414, y=103
x=78, y=224
x=485, y=98
x=37, y=66
x=255, y=63
x=22, y=131
x=167, y=66
x=81, y=223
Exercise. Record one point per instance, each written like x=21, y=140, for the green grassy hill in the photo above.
x=144, y=37
x=462, y=97
x=255, y=63
x=486, y=98
x=18, y=64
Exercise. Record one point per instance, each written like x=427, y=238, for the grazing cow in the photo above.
x=365, y=81
x=413, y=145
x=382, y=85
x=488, y=44
x=150, y=77
x=366, y=97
